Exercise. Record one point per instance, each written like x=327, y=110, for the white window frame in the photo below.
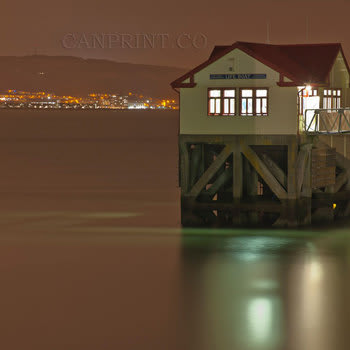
x=256, y=102
x=220, y=102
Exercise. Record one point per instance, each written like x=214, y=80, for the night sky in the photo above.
x=42, y=26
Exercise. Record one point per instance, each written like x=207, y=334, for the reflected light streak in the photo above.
x=264, y=323
x=260, y=319
x=315, y=271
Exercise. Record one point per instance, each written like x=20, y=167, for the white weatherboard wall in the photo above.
x=282, y=117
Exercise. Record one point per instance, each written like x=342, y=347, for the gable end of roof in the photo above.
x=300, y=63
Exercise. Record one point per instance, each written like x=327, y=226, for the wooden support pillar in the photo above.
x=306, y=189
x=275, y=170
x=292, y=187
x=323, y=215
x=306, y=207
x=294, y=213
x=346, y=211
x=288, y=215
x=202, y=162
x=301, y=165
x=264, y=172
x=211, y=171
x=345, y=163
x=340, y=181
x=219, y=182
x=237, y=184
x=237, y=173
x=250, y=179
x=184, y=168
x=343, y=179
x=292, y=157
x=195, y=160
x=250, y=185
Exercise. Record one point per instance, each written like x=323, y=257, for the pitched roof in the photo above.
x=217, y=49
x=300, y=63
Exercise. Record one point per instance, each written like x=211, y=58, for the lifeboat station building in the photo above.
x=264, y=135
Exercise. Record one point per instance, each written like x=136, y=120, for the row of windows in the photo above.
x=331, y=98
x=252, y=101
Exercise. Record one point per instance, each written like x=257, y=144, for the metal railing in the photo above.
x=326, y=121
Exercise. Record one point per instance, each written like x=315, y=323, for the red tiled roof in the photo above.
x=302, y=63
x=217, y=49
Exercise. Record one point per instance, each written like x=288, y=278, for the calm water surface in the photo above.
x=92, y=255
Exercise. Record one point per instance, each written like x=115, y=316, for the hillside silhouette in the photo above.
x=77, y=76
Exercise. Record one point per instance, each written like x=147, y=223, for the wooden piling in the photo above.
x=225, y=187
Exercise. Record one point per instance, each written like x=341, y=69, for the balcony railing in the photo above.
x=326, y=121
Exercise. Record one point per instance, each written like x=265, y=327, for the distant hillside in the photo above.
x=78, y=76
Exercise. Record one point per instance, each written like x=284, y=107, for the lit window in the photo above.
x=229, y=93
x=332, y=99
x=253, y=101
x=221, y=101
x=261, y=93
x=305, y=92
x=229, y=102
x=247, y=93
x=214, y=102
x=214, y=93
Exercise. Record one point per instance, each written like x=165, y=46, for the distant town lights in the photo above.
x=24, y=99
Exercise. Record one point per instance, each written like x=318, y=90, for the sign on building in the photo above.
x=238, y=76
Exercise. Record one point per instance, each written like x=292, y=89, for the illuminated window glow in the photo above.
x=221, y=101
x=332, y=99
x=253, y=101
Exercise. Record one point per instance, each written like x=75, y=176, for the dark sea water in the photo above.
x=92, y=254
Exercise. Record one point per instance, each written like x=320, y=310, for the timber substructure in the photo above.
x=262, y=180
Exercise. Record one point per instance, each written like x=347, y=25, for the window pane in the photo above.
x=247, y=93
x=244, y=106
x=250, y=106
x=334, y=92
x=212, y=106
x=214, y=93
x=229, y=93
x=232, y=106
x=339, y=92
x=261, y=93
x=217, y=105
x=253, y=101
x=226, y=110
x=258, y=106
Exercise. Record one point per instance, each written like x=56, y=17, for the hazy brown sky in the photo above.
x=66, y=27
